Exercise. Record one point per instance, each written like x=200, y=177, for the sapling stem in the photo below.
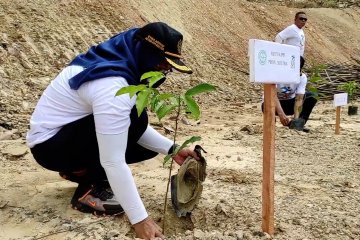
x=171, y=163
x=162, y=105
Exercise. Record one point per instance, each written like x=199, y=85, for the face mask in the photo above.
x=149, y=58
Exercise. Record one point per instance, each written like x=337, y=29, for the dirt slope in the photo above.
x=317, y=174
x=39, y=37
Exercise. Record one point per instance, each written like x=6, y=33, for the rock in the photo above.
x=217, y=235
x=7, y=135
x=238, y=104
x=15, y=150
x=267, y=236
x=198, y=234
x=3, y=204
x=25, y=105
x=258, y=234
x=185, y=121
x=168, y=129
x=112, y=234
x=239, y=235
x=252, y=129
x=221, y=209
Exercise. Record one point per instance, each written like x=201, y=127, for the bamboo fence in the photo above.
x=333, y=76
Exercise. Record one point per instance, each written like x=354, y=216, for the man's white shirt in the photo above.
x=289, y=91
x=292, y=35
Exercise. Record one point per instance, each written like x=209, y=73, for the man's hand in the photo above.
x=284, y=120
x=183, y=154
x=148, y=229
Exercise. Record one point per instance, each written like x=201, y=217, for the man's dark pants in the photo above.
x=307, y=107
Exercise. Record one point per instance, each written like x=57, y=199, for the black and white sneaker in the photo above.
x=96, y=199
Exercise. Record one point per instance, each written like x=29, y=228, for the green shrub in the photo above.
x=351, y=88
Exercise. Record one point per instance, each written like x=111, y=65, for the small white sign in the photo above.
x=273, y=63
x=340, y=99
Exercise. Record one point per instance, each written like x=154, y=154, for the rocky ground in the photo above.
x=317, y=184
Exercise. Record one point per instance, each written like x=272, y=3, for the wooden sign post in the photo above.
x=271, y=63
x=268, y=159
x=340, y=99
x=337, y=123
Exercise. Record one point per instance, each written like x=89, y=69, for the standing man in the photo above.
x=294, y=34
x=80, y=129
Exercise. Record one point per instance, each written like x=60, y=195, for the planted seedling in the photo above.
x=351, y=88
x=315, y=80
x=164, y=104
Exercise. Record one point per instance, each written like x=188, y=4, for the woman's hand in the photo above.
x=183, y=154
x=148, y=229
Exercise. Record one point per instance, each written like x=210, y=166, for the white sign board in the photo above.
x=340, y=99
x=273, y=63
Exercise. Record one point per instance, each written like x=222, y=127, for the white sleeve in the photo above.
x=278, y=39
x=112, y=157
x=302, y=85
x=285, y=34
x=302, y=44
x=153, y=140
x=111, y=113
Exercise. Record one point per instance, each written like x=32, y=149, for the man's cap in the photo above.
x=167, y=40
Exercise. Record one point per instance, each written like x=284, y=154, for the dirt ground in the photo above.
x=317, y=180
x=316, y=190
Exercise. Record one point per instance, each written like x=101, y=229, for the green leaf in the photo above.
x=165, y=96
x=142, y=100
x=165, y=109
x=184, y=145
x=152, y=74
x=152, y=77
x=202, y=87
x=155, y=92
x=312, y=89
x=167, y=158
x=163, y=104
x=315, y=79
x=155, y=104
x=155, y=80
x=158, y=100
x=322, y=66
x=131, y=90
x=192, y=107
x=350, y=87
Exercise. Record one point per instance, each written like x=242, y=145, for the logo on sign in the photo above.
x=292, y=61
x=262, y=57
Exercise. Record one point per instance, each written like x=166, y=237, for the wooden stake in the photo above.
x=337, y=124
x=268, y=159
